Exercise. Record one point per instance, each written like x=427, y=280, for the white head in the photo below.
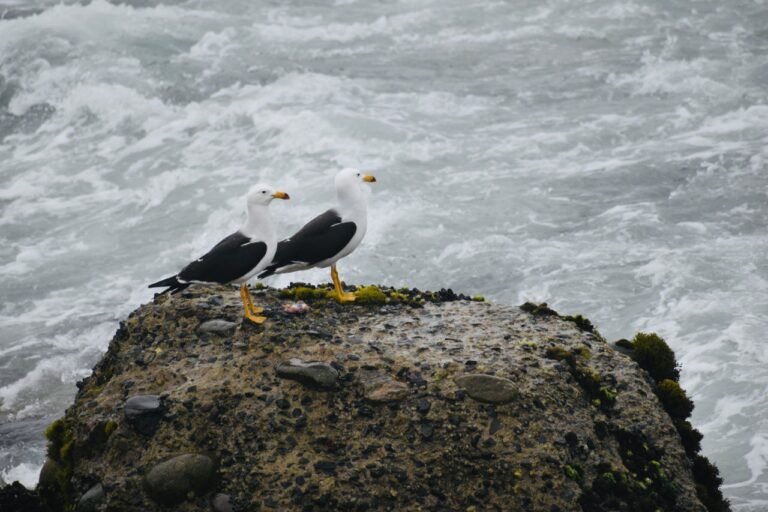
x=261, y=194
x=350, y=183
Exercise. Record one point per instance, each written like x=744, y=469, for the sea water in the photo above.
x=607, y=157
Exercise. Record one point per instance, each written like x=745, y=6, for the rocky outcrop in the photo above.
x=404, y=401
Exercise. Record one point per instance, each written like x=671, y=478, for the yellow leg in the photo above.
x=253, y=308
x=341, y=295
x=245, y=295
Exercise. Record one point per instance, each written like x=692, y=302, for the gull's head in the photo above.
x=351, y=178
x=261, y=194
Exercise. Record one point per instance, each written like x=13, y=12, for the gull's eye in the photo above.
x=263, y=191
x=358, y=174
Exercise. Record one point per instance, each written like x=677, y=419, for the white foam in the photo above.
x=25, y=473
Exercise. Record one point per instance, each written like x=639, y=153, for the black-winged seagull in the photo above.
x=238, y=257
x=331, y=235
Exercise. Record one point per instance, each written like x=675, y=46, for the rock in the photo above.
x=92, y=498
x=169, y=482
x=312, y=373
x=488, y=388
x=217, y=326
x=404, y=427
x=144, y=413
x=221, y=503
x=16, y=497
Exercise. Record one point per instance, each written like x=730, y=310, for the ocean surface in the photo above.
x=607, y=157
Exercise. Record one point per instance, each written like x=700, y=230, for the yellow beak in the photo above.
x=281, y=195
x=369, y=178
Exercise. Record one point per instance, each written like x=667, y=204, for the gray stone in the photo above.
x=169, y=482
x=217, y=326
x=488, y=388
x=144, y=413
x=90, y=501
x=311, y=373
x=221, y=503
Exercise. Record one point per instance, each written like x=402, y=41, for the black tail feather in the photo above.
x=270, y=270
x=172, y=283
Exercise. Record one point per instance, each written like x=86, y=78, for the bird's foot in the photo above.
x=255, y=319
x=256, y=309
x=346, y=297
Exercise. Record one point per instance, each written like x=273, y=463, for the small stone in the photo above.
x=282, y=403
x=312, y=373
x=217, y=326
x=488, y=388
x=388, y=391
x=144, y=413
x=423, y=406
x=326, y=466
x=221, y=503
x=169, y=482
x=90, y=501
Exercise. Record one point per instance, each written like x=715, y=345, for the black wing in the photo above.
x=229, y=259
x=321, y=238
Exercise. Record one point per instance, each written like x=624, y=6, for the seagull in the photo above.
x=331, y=235
x=238, y=257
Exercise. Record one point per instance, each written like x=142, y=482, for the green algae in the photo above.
x=56, y=488
x=109, y=427
x=653, y=355
x=674, y=399
x=600, y=391
x=370, y=295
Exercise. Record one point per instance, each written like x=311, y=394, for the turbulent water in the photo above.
x=608, y=157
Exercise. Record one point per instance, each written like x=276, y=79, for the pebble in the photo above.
x=488, y=388
x=217, y=326
x=90, y=501
x=221, y=503
x=312, y=373
x=169, y=482
x=144, y=413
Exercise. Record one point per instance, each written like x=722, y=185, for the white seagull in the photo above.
x=331, y=235
x=238, y=257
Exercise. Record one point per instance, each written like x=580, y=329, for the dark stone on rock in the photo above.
x=326, y=466
x=312, y=373
x=92, y=498
x=17, y=498
x=282, y=403
x=221, y=503
x=169, y=482
x=217, y=326
x=488, y=388
x=144, y=413
x=423, y=406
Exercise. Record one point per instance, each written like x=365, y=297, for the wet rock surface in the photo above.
x=438, y=404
